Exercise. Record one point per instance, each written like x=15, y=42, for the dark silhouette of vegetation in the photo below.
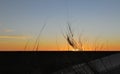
x=36, y=45
x=80, y=44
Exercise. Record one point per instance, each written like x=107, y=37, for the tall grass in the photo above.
x=26, y=45
x=78, y=44
x=36, y=45
x=81, y=43
x=69, y=36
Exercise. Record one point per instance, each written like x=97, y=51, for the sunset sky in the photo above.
x=22, y=20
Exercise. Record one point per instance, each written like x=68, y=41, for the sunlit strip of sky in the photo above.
x=94, y=18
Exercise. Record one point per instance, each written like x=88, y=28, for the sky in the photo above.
x=21, y=22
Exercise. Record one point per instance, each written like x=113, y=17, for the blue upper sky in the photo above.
x=93, y=17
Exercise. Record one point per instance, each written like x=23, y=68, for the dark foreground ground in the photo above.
x=48, y=62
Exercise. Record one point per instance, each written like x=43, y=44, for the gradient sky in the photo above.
x=22, y=20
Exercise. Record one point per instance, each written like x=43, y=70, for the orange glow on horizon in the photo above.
x=44, y=45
